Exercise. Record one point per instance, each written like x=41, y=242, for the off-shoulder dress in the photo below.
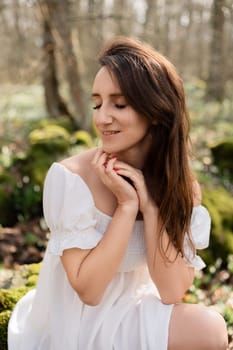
x=130, y=315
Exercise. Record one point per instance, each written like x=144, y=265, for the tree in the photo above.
x=216, y=78
x=54, y=102
x=151, y=25
x=57, y=14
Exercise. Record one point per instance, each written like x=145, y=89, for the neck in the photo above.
x=133, y=158
x=136, y=156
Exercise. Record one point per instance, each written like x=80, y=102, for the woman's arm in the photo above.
x=90, y=271
x=171, y=276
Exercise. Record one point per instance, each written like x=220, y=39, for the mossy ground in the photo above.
x=9, y=297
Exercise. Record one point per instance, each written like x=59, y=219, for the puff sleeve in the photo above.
x=68, y=208
x=200, y=233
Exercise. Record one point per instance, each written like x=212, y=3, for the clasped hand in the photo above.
x=112, y=172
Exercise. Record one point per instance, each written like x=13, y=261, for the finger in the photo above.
x=111, y=163
x=125, y=166
x=110, y=169
x=101, y=163
x=133, y=176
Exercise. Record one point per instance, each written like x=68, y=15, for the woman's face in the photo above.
x=119, y=126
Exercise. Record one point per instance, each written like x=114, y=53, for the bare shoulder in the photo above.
x=81, y=163
x=197, y=196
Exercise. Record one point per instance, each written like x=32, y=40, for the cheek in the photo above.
x=94, y=119
x=95, y=125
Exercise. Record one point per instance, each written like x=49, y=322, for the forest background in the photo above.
x=47, y=64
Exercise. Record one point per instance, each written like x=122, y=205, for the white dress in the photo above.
x=130, y=315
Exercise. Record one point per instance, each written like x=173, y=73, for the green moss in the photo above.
x=31, y=274
x=33, y=269
x=220, y=206
x=82, y=137
x=32, y=280
x=64, y=122
x=228, y=315
x=222, y=153
x=9, y=298
x=4, y=319
x=51, y=138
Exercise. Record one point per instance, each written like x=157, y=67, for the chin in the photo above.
x=109, y=150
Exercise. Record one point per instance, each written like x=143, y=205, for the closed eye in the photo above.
x=120, y=106
x=96, y=107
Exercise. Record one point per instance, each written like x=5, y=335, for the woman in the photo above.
x=125, y=220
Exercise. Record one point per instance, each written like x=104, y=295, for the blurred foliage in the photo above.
x=220, y=206
x=82, y=137
x=28, y=148
x=222, y=152
x=8, y=299
x=210, y=121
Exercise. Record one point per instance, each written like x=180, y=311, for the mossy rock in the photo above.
x=62, y=121
x=9, y=298
x=4, y=319
x=51, y=138
x=47, y=145
x=22, y=183
x=81, y=137
x=31, y=274
x=32, y=269
x=220, y=206
x=222, y=153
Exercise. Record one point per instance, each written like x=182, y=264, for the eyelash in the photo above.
x=117, y=105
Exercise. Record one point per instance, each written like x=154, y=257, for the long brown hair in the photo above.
x=153, y=88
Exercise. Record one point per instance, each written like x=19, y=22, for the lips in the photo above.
x=110, y=132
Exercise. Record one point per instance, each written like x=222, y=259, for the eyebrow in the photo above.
x=117, y=94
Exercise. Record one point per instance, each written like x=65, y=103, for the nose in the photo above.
x=104, y=116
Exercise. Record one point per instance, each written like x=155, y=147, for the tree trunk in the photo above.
x=54, y=102
x=151, y=25
x=200, y=69
x=166, y=35
x=59, y=14
x=216, y=80
x=124, y=18
x=185, y=27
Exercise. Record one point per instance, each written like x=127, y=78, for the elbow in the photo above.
x=172, y=298
x=90, y=299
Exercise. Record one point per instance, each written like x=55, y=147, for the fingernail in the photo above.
x=115, y=169
x=113, y=157
x=105, y=164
